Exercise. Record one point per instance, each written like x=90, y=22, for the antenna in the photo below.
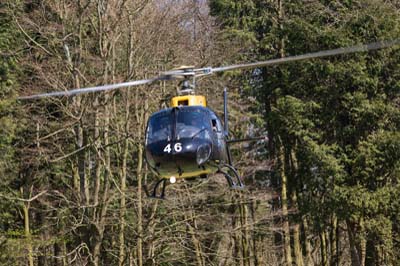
x=226, y=129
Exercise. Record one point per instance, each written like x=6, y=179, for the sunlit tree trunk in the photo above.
x=123, y=175
x=363, y=243
x=97, y=144
x=79, y=170
x=107, y=14
x=307, y=244
x=296, y=240
x=244, y=231
x=334, y=239
x=296, y=226
x=323, y=248
x=141, y=116
x=285, y=214
x=283, y=159
x=140, y=206
x=236, y=235
x=27, y=230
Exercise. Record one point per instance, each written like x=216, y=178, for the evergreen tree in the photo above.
x=11, y=228
x=323, y=114
x=8, y=84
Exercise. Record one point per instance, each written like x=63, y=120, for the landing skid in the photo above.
x=230, y=173
x=232, y=176
x=153, y=195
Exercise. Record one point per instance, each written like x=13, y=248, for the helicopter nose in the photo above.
x=179, y=157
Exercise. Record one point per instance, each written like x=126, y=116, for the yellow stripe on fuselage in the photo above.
x=190, y=174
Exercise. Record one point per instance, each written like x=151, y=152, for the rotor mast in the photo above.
x=186, y=92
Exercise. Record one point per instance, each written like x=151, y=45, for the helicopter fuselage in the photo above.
x=185, y=142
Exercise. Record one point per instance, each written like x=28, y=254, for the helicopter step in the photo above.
x=232, y=176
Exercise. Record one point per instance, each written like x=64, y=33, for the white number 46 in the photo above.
x=177, y=147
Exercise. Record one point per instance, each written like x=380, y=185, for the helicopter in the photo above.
x=187, y=139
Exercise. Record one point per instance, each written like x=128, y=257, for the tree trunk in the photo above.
x=355, y=258
x=78, y=167
x=363, y=243
x=123, y=175
x=297, y=245
x=97, y=144
x=245, y=232
x=296, y=227
x=371, y=251
x=141, y=116
x=322, y=238
x=28, y=237
x=254, y=237
x=282, y=159
x=334, y=242
x=140, y=207
x=151, y=229
x=285, y=214
x=60, y=254
x=307, y=244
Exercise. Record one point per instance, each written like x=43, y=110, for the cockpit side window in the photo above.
x=216, y=125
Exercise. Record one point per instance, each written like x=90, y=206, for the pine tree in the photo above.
x=11, y=227
x=322, y=113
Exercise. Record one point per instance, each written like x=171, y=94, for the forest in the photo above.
x=323, y=190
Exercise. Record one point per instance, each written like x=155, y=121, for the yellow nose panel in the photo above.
x=188, y=100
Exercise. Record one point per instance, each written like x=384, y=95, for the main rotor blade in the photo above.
x=208, y=70
x=346, y=50
x=92, y=89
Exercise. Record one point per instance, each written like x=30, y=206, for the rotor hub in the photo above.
x=187, y=88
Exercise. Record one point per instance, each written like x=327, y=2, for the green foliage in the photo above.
x=8, y=82
x=340, y=115
x=11, y=233
x=292, y=116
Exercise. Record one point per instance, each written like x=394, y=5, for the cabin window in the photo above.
x=216, y=125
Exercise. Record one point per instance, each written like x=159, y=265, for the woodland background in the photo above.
x=323, y=191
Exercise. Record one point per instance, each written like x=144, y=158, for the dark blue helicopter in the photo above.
x=187, y=140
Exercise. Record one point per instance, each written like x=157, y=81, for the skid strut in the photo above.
x=235, y=182
x=153, y=195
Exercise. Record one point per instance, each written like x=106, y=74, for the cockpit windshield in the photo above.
x=178, y=124
x=160, y=127
x=191, y=124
